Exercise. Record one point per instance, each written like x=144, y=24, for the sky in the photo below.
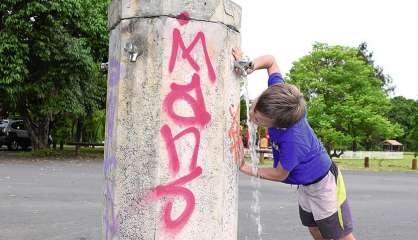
x=287, y=30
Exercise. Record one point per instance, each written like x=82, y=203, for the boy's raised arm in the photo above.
x=266, y=62
x=263, y=62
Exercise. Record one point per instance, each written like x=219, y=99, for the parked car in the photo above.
x=13, y=134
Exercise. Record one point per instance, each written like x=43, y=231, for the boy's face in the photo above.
x=260, y=119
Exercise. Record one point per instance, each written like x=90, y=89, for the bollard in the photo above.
x=261, y=159
x=366, y=162
x=414, y=164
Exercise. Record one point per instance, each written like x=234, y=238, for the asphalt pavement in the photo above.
x=62, y=200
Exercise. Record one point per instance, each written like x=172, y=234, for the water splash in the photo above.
x=255, y=181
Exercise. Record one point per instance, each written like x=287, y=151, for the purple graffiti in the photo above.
x=110, y=115
x=114, y=72
x=109, y=164
x=110, y=218
x=111, y=222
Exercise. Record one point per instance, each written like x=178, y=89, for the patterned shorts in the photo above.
x=324, y=205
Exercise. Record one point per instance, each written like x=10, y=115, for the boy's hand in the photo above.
x=237, y=53
x=240, y=162
x=247, y=67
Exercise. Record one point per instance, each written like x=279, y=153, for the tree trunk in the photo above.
x=51, y=133
x=368, y=144
x=38, y=131
x=72, y=128
x=3, y=112
x=337, y=155
x=354, y=146
x=328, y=147
x=78, y=136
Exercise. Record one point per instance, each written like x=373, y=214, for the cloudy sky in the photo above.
x=287, y=30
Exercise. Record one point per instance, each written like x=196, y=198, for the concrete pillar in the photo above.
x=172, y=126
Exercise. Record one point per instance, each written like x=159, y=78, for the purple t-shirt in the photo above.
x=298, y=149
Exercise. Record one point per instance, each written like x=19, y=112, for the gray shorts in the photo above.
x=324, y=205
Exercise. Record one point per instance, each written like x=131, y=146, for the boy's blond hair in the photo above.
x=283, y=103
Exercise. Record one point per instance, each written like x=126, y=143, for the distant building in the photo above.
x=392, y=146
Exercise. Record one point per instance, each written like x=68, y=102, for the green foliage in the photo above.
x=51, y=51
x=405, y=112
x=243, y=111
x=62, y=129
x=386, y=80
x=322, y=123
x=262, y=132
x=94, y=127
x=346, y=100
x=412, y=137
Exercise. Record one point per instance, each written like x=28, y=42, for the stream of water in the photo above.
x=254, y=214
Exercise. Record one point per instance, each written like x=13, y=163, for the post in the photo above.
x=77, y=150
x=261, y=158
x=414, y=164
x=172, y=121
x=366, y=162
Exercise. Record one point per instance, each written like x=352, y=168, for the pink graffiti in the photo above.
x=176, y=188
x=171, y=147
x=178, y=42
x=183, y=18
x=180, y=92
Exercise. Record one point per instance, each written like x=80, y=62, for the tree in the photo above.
x=404, y=112
x=412, y=137
x=243, y=120
x=243, y=111
x=347, y=102
x=95, y=127
x=3, y=108
x=386, y=80
x=322, y=122
x=51, y=52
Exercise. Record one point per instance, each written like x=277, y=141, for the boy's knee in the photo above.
x=316, y=234
x=348, y=237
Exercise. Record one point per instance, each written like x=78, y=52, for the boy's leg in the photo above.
x=306, y=215
x=316, y=234
x=330, y=207
x=348, y=237
x=324, y=205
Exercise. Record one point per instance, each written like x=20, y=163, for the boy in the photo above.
x=299, y=157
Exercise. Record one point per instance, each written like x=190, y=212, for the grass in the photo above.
x=383, y=165
x=375, y=165
x=66, y=153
